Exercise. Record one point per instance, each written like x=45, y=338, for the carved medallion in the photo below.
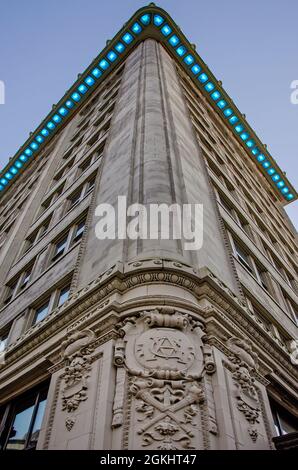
x=164, y=348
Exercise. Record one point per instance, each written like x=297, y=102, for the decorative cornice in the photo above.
x=150, y=22
x=229, y=315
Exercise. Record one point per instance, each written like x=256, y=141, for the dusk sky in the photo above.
x=251, y=46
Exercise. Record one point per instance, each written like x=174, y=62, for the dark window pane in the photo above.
x=287, y=424
x=10, y=292
x=60, y=247
x=284, y=421
x=86, y=164
x=23, y=420
x=44, y=228
x=75, y=198
x=90, y=186
x=243, y=257
x=37, y=423
x=79, y=231
x=20, y=428
x=26, y=278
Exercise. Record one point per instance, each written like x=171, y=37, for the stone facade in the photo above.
x=155, y=347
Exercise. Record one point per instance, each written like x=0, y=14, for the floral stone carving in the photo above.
x=245, y=363
x=162, y=353
x=76, y=351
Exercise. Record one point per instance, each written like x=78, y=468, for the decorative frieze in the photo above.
x=98, y=289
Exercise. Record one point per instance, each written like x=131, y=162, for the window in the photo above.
x=37, y=234
x=67, y=155
x=278, y=266
x=75, y=198
x=262, y=277
x=245, y=226
x=284, y=421
x=292, y=282
x=82, y=192
x=41, y=312
x=63, y=295
x=93, y=139
x=3, y=340
x=55, y=299
x=90, y=185
x=62, y=172
x=292, y=309
x=11, y=290
x=243, y=257
x=83, y=167
x=79, y=230
x=22, y=420
x=73, y=235
x=81, y=128
x=262, y=319
x=60, y=248
x=99, y=151
x=26, y=278
x=45, y=205
x=227, y=206
x=29, y=242
x=44, y=228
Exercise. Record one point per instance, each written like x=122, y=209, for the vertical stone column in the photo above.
x=152, y=157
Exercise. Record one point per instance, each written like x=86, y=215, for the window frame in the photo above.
x=48, y=304
x=248, y=265
x=5, y=333
x=63, y=239
x=75, y=228
x=58, y=296
x=37, y=234
x=52, y=300
x=10, y=291
x=276, y=408
x=38, y=393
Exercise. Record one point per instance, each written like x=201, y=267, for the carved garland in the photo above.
x=245, y=363
x=76, y=353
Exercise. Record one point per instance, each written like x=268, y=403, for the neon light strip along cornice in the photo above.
x=150, y=22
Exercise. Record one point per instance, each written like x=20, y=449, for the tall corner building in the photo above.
x=141, y=343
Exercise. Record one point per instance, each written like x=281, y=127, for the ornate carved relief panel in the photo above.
x=161, y=360
x=251, y=424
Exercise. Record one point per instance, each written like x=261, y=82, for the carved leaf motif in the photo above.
x=76, y=351
x=69, y=423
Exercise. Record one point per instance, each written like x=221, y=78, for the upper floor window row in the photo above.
x=253, y=266
x=35, y=236
x=56, y=299
x=19, y=283
x=37, y=312
x=68, y=239
x=56, y=250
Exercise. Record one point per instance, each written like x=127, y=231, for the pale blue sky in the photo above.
x=250, y=46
